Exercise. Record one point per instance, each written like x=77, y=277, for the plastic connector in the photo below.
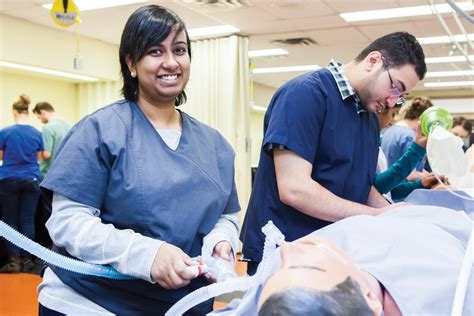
x=273, y=234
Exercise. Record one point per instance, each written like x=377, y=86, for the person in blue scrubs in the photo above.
x=321, y=139
x=141, y=186
x=393, y=179
x=397, y=140
x=20, y=147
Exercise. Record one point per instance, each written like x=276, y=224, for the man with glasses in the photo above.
x=321, y=139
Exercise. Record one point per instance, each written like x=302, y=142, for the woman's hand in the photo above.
x=429, y=181
x=169, y=267
x=420, y=140
x=222, y=250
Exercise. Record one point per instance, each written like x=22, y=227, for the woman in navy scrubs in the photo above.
x=141, y=186
x=20, y=147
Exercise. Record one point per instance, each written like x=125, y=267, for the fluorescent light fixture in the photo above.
x=448, y=59
x=455, y=73
x=285, y=69
x=449, y=84
x=267, y=52
x=47, y=71
x=212, y=31
x=259, y=108
x=402, y=12
x=445, y=39
x=86, y=5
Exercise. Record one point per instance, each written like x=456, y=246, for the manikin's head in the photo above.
x=387, y=70
x=44, y=112
x=317, y=278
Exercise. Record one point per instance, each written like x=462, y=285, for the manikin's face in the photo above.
x=163, y=71
x=459, y=131
x=315, y=263
x=376, y=90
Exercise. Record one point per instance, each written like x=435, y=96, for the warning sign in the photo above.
x=65, y=12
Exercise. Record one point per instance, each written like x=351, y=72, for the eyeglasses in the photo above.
x=394, y=90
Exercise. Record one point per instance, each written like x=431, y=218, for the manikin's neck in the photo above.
x=389, y=305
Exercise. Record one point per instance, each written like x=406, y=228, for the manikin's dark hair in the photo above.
x=148, y=26
x=344, y=299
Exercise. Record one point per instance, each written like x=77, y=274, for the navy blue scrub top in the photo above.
x=308, y=116
x=114, y=160
x=20, y=144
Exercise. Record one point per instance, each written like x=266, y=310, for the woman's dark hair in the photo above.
x=463, y=122
x=417, y=107
x=21, y=106
x=344, y=299
x=148, y=26
x=399, y=49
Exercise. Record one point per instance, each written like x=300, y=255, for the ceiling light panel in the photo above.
x=455, y=73
x=402, y=12
x=46, y=71
x=445, y=39
x=448, y=59
x=211, y=31
x=301, y=68
x=267, y=52
x=449, y=84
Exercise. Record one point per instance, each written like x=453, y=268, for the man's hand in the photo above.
x=391, y=206
x=169, y=267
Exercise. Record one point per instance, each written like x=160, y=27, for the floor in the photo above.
x=18, y=293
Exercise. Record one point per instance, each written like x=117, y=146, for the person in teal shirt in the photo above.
x=53, y=132
x=392, y=179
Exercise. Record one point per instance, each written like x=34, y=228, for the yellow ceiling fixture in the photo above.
x=65, y=13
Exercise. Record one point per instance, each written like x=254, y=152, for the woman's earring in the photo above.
x=132, y=74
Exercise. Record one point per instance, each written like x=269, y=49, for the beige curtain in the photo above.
x=94, y=95
x=218, y=95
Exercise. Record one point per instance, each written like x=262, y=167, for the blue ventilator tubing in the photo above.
x=58, y=260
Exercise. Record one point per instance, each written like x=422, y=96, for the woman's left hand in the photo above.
x=223, y=250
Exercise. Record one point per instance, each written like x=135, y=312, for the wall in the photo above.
x=261, y=97
x=36, y=45
x=61, y=94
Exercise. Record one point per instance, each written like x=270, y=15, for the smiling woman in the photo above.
x=151, y=188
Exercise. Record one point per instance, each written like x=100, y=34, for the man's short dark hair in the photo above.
x=344, y=299
x=43, y=106
x=399, y=49
x=146, y=27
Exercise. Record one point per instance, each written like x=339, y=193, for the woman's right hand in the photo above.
x=420, y=140
x=169, y=267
